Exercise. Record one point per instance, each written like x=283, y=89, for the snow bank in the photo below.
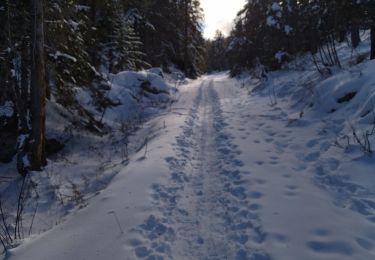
x=344, y=99
x=135, y=93
x=350, y=94
x=133, y=80
x=87, y=162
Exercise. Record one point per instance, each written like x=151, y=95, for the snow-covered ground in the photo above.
x=90, y=158
x=236, y=169
x=226, y=175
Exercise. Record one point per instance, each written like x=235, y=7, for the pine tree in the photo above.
x=123, y=51
x=66, y=39
x=172, y=33
x=216, y=53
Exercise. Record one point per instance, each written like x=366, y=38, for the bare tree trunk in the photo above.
x=341, y=36
x=23, y=104
x=24, y=89
x=372, y=42
x=38, y=88
x=186, y=25
x=355, y=37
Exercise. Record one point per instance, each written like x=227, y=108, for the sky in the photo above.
x=219, y=15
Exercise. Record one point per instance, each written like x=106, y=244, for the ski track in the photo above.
x=207, y=210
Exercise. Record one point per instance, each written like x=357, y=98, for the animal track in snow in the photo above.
x=330, y=247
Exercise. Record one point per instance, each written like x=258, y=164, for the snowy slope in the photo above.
x=89, y=159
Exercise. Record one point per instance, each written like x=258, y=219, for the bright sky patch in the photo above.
x=219, y=15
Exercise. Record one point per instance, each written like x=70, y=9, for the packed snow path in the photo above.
x=206, y=200
x=224, y=176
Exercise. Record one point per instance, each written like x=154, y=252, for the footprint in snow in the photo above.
x=244, y=255
x=156, y=239
x=255, y=207
x=321, y=232
x=330, y=247
x=280, y=238
x=180, y=177
x=365, y=243
x=299, y=168
x=290, y=194
x=173, y=162
x=260, y=181
x=332, y=164
x=325, y=146
x=292, y=187
x=274, y=162
x=268, y=140
x=312, y=143
x=312, y=156
x=255, y=195
x=260, y=162
x=239, y=193
x=261, y=124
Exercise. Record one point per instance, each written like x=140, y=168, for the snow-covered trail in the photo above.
x=225, y=176
x=207, y=205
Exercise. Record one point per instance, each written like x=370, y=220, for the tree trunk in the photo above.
x=23, y=104
x=355, y=37
x=372, y=42
x=341, y=36
x=93, y=24
x=24, y=90
x=186, y=25
x=38, y=88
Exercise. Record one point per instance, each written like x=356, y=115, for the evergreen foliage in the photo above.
x=271, y=32
x=85, y=41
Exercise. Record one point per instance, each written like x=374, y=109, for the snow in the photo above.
x=157, y=71
x=59, y=54
x=74, y=24
x=359, y=81
x=288, y=29
x=83, y=8
x=6, y=110
x=88, y=162
x=131, y=101
x=129, y=193
x=271, y=21
x=133, y=80
x=279, y=56
x=276, y=7
x=226, y=176
x=126, y=89
x=236, y=169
